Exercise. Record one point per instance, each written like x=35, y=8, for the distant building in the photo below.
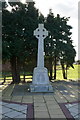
x=77, y=62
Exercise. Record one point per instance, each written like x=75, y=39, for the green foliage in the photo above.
x=18, y=27
x=19, y=43
x=59, y=42
x=17, y=34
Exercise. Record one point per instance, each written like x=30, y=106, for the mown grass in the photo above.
x=73, y=74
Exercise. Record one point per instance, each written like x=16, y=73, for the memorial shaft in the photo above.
x=40, y=61
x=40, y=33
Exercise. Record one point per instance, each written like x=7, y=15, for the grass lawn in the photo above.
x=73, y=74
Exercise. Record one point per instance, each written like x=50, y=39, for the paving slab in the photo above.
x=55, y=112
x=27, y=97
x=5, y=110
x=39, y=104
x=39, y=100
x=53, y=106
x=16, y=110
x=16, y=98
x=38, y=97
x=41, y=114
x=27, y=101
x=12, y=114
x=51, y=102
x=58, y=116
x=23, y=116
x=40, y=108
x=7, y=98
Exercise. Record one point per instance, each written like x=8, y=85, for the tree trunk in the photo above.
x=63, y=70
x=66, y=71
x=54, y=67
x=24, y=73
x=51, y=68
x=4, y=79
x=18, y=69
x=15, y=70
x=24, y=78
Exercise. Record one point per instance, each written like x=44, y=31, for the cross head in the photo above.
x=41, y=32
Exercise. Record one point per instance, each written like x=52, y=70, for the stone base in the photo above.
x=41, y=88
x=40, y=82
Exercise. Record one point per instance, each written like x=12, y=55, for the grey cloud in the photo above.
x=67, y=9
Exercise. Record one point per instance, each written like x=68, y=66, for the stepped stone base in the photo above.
x=40, y=81
x=41, y=88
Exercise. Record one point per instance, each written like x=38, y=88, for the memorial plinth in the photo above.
x=40, y=82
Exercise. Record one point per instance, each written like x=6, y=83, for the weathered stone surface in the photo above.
x=40, y=81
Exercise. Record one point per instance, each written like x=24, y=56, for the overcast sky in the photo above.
x=68, y=8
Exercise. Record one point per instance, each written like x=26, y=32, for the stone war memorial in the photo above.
x=40, y=82
x=27, y=96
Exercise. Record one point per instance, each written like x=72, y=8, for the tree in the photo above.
x=59, y=37
x=49, y=43
x=68, y=58
x=17, y=34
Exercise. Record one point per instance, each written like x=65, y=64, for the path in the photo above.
x=64, y=102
